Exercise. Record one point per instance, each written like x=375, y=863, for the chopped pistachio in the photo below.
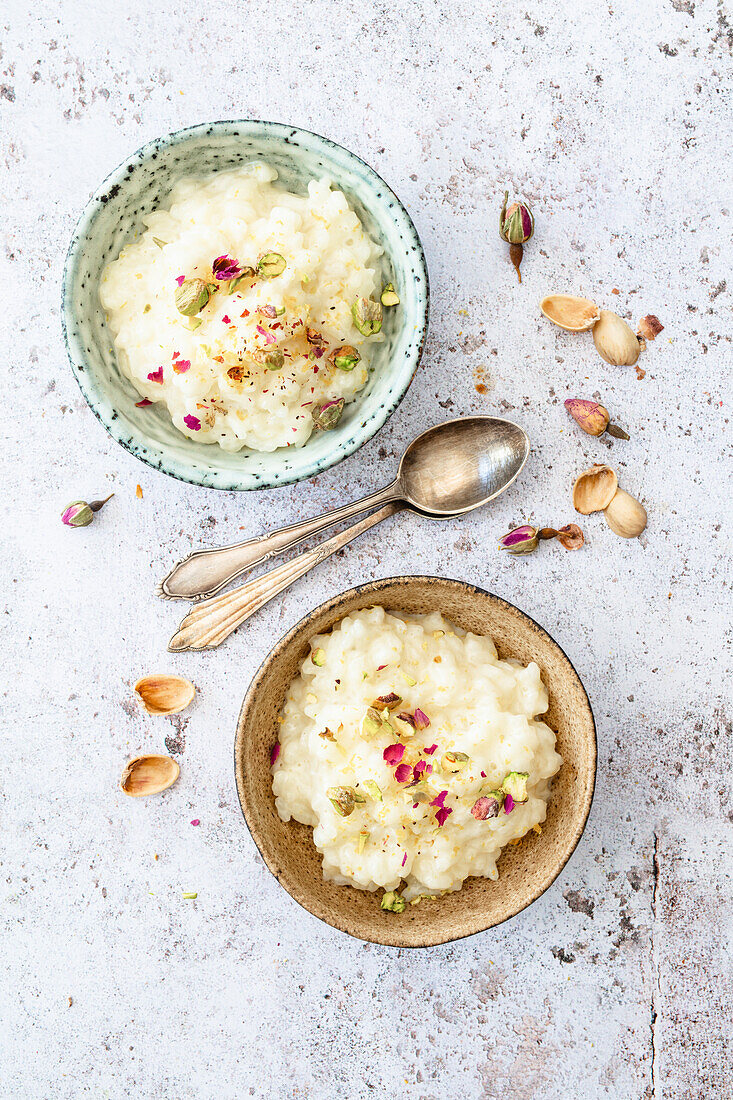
x=345, y=357
x=148, y=307
x=327, y=734
x=342, y=799
x=372, y=789
x=327, y=415
x=390, y=702
x=409, y=680
x=160, y=244
x=190, y=896
x=367, y=316
x=318, y=657
x=365, y=675
x=393, y=902
x=515, y=784
x=359, y=797
x=246, y=274
x=270, y=360
x=454, y=761
x=363, y=838
x=279, y=310
x=404, y=725
x=488, y=805
x=375, y=723
x=271, y=264
x=191, y=296
x=390, y=296
x=195, y=322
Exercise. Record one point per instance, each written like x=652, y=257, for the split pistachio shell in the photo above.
x=164, y=694
x=146, y=775
x=615, y=341
x=594, y=489
x=571, y=314
x=625, y=515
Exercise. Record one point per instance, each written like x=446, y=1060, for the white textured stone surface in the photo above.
x=617, y=982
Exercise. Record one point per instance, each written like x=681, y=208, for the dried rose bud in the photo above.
x=570, y=536
x=367, y=316
x=191, y=297
x=81, y=514
x=421, y=719
x=389, y=296
x=516, y=226
x=522, y=540
x=327, y=416
x=592, y=417
x=271, y=265
x=650, y=327
x=345, y=358
x=225, y=268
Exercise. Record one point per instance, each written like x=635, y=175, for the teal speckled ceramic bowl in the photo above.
x=115, y=213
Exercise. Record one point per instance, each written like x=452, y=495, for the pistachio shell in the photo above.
x=625, y=515
x=572, y=314
x=146, y=775
x=594, y=489
x=165, y=694
x=615, y=341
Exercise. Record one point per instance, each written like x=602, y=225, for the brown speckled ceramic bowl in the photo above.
x=525, y=870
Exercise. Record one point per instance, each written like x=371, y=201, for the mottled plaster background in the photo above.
x=614, y=120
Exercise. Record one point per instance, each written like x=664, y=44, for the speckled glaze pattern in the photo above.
x=115, y=214
x=525, y=870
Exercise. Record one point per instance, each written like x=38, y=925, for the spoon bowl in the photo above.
x=462, y=464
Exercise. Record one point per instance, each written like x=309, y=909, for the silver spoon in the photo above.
x=447, y=471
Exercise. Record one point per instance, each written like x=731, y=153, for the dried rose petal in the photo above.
x=570, y=536
x=439, y=799
x=650, y=327
x=419, y=768
x=156, y=376
x=181, y=280
x=508, y=804
x=142, y=404
x=393, y=754
x=403, y=773
x=404, y=859
x=226, y=319
x=267, y=311
x=442, y=814
x=181, y=366
x=274, y=752
x=195, y=821
x=430, y=749
x=421, y=719
x=192, y=422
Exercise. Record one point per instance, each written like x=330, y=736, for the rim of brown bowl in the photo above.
x=526, y=870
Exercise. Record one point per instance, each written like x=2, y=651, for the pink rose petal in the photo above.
x=195, y=821
x=439, y=799
x=156, y=376
x=442, y=814
x=192, y=422
x=141, y=404
x=274, y=752
x=430, y=749
x=181, y=366
x=181, y=280
x=508, y=804
x=226, y=319
x=380, y=667
x=403, y=773
x=393, y=754
x=419, y=768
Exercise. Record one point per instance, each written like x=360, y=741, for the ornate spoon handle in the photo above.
x=210, y=621
x=204, y=572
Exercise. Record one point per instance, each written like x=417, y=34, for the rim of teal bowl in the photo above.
x=106, y=413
